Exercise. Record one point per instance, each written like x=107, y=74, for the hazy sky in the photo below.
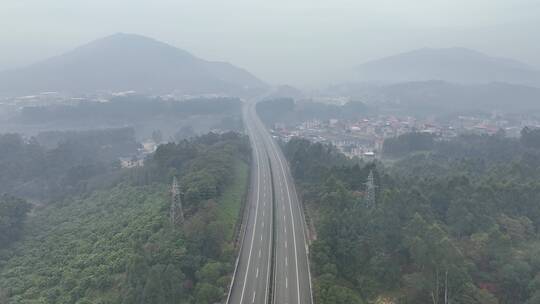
x=282, y=41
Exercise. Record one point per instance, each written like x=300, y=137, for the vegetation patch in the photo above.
x=230, y=202
x=117, y=245
x=457, y=223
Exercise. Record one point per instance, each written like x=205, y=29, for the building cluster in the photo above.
x=147, y=148
x=41, y=99
x=365, y=137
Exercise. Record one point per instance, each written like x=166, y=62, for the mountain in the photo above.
x=123, y=62
x=448, y=64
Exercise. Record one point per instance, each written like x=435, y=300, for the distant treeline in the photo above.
x=408, y=143
x=55, y=164
x=101, y=137
x=492, y=148
x=439, y=98
x=286, y=110
x=128, y=109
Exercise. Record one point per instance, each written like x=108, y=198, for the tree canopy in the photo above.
x=455, y=224
x=118, y=245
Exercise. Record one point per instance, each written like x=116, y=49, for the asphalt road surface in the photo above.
x=273, y=265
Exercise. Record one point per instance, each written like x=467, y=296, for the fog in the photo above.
x=370, y=151
x=302, y=42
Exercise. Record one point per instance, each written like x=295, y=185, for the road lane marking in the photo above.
x=286, y=282
x=270, y=247
x=254, y=293
x=274, y=151
x=254, y=227
x=257, y=274
x=259, y=253
x=271, y=145
x=269, y=254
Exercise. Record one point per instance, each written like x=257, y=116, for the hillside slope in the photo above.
x=448, y=64
x=127, y=62
x=117, y=245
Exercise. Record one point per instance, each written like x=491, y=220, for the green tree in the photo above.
x=13, y=212
x=207, y=293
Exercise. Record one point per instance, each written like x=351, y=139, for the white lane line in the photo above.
x=261, y=237
x=259, y=253
x=292, y=222
x=267, y=291
x=269, y=251
x=275, y=152
x=257, y=274
x=285, y=228
x=286, y=282
x=270, y=248
x=253, y=300
x=253, y=234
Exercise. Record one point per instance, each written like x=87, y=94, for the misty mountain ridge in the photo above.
x=437, y=96
x=458, y=65
x=448, y=97
x=123, y=62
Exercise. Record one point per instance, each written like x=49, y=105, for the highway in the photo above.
x=272, y=265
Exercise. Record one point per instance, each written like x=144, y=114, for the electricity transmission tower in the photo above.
x=177, y=213
x=370, y=191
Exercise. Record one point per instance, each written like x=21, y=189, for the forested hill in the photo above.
x=457, y=65
x=71, y=163
x=117, y=244
x=455, y=224
x=287, y=110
